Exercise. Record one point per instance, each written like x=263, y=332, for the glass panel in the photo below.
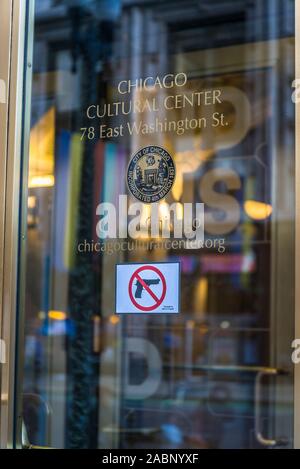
x=207, y=84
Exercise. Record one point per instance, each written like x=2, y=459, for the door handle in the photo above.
x=267, y=442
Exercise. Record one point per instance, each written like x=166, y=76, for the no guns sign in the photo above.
x=147, y=288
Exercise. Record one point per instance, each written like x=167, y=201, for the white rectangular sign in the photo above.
x=148, y=288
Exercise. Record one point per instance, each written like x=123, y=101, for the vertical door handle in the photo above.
x=267, y=442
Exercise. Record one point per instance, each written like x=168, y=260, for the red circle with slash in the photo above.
x=136, y=276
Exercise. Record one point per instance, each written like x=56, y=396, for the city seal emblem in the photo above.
x=150, y=174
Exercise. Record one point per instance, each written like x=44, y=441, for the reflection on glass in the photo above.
x=91, y=378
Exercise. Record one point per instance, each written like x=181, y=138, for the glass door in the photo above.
x=162, y=133
x=4, y=81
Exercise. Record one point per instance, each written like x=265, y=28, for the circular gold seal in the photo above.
x=150, y=174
